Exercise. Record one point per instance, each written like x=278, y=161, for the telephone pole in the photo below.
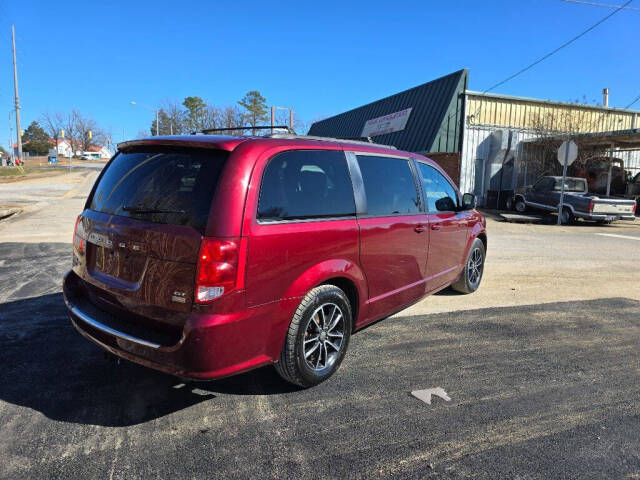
x=15, y=84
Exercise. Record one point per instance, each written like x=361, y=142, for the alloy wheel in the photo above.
x=324, y=337
x=474, y=267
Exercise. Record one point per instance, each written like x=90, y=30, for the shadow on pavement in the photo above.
x=51, y=368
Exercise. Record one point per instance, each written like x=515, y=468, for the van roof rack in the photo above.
x=355, y=140
x=291, y=134
x=242, y=129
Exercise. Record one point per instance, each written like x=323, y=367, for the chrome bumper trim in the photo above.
x=104, y=328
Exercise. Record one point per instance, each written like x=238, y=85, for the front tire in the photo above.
x=317, y=338
x=470, y=278
x=509, y=203
x=520, y=206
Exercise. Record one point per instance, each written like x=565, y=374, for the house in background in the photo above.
x=485, y=142
x=98, y=153
x=63, y=147
x=94, y=152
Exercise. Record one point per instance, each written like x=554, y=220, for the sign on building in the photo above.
x=394, y=122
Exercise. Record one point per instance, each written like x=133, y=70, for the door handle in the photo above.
x=436, y=226
x=420, y=228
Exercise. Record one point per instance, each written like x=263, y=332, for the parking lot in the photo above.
x=542, y=367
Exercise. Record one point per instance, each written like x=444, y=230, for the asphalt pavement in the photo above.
x=537, y=391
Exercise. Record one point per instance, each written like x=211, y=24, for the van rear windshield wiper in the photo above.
x=134, y=209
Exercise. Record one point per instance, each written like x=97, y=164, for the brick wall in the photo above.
x=449, y=162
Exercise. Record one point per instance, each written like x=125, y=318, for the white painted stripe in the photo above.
x=618, y=236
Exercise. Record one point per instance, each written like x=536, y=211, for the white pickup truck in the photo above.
x=577, y=203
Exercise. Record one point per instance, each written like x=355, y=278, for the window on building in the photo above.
x=439, y=193
x=306, y=184
x=389, y=185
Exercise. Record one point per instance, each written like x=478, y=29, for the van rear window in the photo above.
x=169, y=185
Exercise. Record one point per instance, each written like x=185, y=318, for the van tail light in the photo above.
x=591, y=206
x=633, y=209
x=78, y=236
x=220, y=267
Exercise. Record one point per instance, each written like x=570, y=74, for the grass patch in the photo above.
x=13, y=173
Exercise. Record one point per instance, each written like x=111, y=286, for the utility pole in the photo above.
x=10, y=149
x=15, y=84
x=273, y=117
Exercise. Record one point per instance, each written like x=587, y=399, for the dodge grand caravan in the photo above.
x=204, y=256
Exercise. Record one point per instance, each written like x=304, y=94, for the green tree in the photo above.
x=35, y=140
x=165, y=128
x=195, y=114
x=256, y=106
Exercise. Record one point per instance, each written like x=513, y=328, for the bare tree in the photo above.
x=233, y=117
x=88, y=133
x=70, y=130
x=175, y=118
x=299, y=125
x=52, y=124
x=211, y=117
x=554, y=126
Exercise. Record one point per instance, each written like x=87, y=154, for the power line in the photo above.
x=605, y=5
x=634, y=101
x=556, y=50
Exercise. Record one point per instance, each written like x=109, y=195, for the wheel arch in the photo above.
x=483, y=237
x=351, y=291
x=344, y=274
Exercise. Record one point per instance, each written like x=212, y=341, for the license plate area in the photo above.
x=121, y=264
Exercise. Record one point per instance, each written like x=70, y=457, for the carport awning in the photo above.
x=620, y=139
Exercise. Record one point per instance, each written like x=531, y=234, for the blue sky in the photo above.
x=320, y=57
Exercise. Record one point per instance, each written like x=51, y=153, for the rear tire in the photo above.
x=520, y=206
x=317, y=338
x=567, y=217
x=471, y=275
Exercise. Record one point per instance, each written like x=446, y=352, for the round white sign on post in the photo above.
x=572, y=152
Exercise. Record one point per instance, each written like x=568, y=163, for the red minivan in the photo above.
x=204, y=256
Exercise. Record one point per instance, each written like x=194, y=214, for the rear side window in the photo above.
x=306, y=184
x=389, y=185
x=570, y=185
x=440, y=195
x=170, y=186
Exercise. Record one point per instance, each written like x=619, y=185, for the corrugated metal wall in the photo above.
x=480, y=146
x=490, y=118
x=476, y=150
x=531, y=114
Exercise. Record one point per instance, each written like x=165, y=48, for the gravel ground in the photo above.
x=542, y=391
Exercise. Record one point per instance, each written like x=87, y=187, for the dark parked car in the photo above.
x=577, y=203
x=205, y=256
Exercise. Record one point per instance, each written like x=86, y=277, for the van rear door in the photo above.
x=142, y=230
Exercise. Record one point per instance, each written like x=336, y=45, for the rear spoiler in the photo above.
x=193, y=141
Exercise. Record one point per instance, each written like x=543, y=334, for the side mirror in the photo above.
x=445, y=204
x=469, y=201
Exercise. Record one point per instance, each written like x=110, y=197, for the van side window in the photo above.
x=306, y=184
x=389, y=185
x=440, y=195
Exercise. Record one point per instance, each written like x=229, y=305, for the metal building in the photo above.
x=485, y=142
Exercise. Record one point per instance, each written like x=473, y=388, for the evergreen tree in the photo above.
x=256, y=106
x=35, y=140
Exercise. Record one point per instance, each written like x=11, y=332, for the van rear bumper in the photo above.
x=212, y=345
